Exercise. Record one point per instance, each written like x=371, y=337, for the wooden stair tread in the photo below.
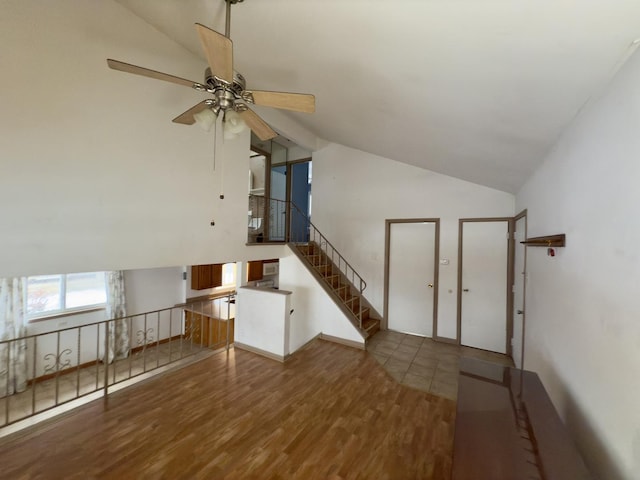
x=341, y=287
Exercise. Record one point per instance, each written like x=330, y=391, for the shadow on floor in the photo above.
x=424, y=364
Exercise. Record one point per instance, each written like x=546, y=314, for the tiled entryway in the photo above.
x=424, y=364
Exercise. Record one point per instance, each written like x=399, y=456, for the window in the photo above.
x=228, y=274
x=49, y=295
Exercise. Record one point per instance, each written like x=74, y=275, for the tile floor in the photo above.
x=424, y=364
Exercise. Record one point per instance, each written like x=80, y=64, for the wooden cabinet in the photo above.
x=254, y=271
x=206, y=276
x=206, y=331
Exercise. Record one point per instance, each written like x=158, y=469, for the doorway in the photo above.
x=299, y=187
x=411, y=275
x=519, y=288
x=484, y=280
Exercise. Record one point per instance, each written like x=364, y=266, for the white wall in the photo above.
x=314, y=311
x=582, y=315
x=355, y=192
x=93, y=173
x=152, y=289
x=262, y=320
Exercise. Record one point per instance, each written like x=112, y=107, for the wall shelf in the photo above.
x=546, y=241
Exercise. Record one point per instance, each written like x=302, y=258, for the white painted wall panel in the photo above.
x=93, y=174
x=582, y=328
x=262, y=320
x=354, y=192
x=314, y=311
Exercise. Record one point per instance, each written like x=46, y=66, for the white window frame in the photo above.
x=234, y=266
x=63, y=310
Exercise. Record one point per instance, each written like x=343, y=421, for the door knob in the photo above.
x=430, y=285
x=519, y=312
x=465, y=289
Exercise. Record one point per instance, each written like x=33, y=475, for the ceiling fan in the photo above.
x=228, y=87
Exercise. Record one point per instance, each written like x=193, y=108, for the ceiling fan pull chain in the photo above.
x=219, y=137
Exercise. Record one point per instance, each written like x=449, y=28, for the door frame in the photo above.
x=522, y=214
x=267, y=189
x=509, y=272
x=436, y=264
x=289, y=174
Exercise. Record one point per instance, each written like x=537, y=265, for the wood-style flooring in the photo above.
x=329, y=412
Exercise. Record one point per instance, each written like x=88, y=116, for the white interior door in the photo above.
x=518, y=291
x=484, y=285
x=411, y=277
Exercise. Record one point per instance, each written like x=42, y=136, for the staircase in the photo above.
x=341, y=282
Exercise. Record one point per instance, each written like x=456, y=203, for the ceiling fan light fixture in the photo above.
x=205, y=119
x=233, y=123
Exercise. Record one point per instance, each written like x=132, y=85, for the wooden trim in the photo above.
x=436, y=279
x=459, y=289
x=558, y=240
x=343, y=341
x=259, y=351
x=486, y=219
x=522, y=215
x=384, y=324
x=300, y=160
x=151, y=344
x=510, y=293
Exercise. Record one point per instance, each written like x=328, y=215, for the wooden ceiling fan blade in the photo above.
x=187, y=118
x=219, y=52
x=298, y=102
x=146, y=72
x=259, y=126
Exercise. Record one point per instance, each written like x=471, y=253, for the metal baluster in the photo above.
x=78, y=363
x=106, y=359
x=183, y=328
x=158, y=341
x=57, y=366
x=170, y=332
x=130, y=348
x=33, y=377
x=8, y=397
x=219, y=336
x=228, y=319
x=144, y=345
x=97, y=354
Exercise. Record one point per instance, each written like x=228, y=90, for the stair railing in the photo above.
x=302, y=231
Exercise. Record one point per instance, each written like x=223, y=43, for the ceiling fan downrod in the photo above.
x=227, y=25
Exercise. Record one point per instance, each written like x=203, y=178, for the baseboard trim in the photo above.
x=343, y=341
x=259, y=351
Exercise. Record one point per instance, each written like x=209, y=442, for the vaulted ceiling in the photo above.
x=476, y=89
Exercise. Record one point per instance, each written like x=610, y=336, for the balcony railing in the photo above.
x=71, y=364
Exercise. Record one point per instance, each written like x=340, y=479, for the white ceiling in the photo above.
x=476, y=89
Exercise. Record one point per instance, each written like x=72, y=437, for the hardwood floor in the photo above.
x=329, y=412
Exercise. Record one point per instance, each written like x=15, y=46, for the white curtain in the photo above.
x=13, y=353
x=118, y=329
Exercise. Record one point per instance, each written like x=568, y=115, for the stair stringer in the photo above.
x=353, y=317
x=315, y=310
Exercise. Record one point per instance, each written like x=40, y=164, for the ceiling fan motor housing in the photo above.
x=226, y=94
